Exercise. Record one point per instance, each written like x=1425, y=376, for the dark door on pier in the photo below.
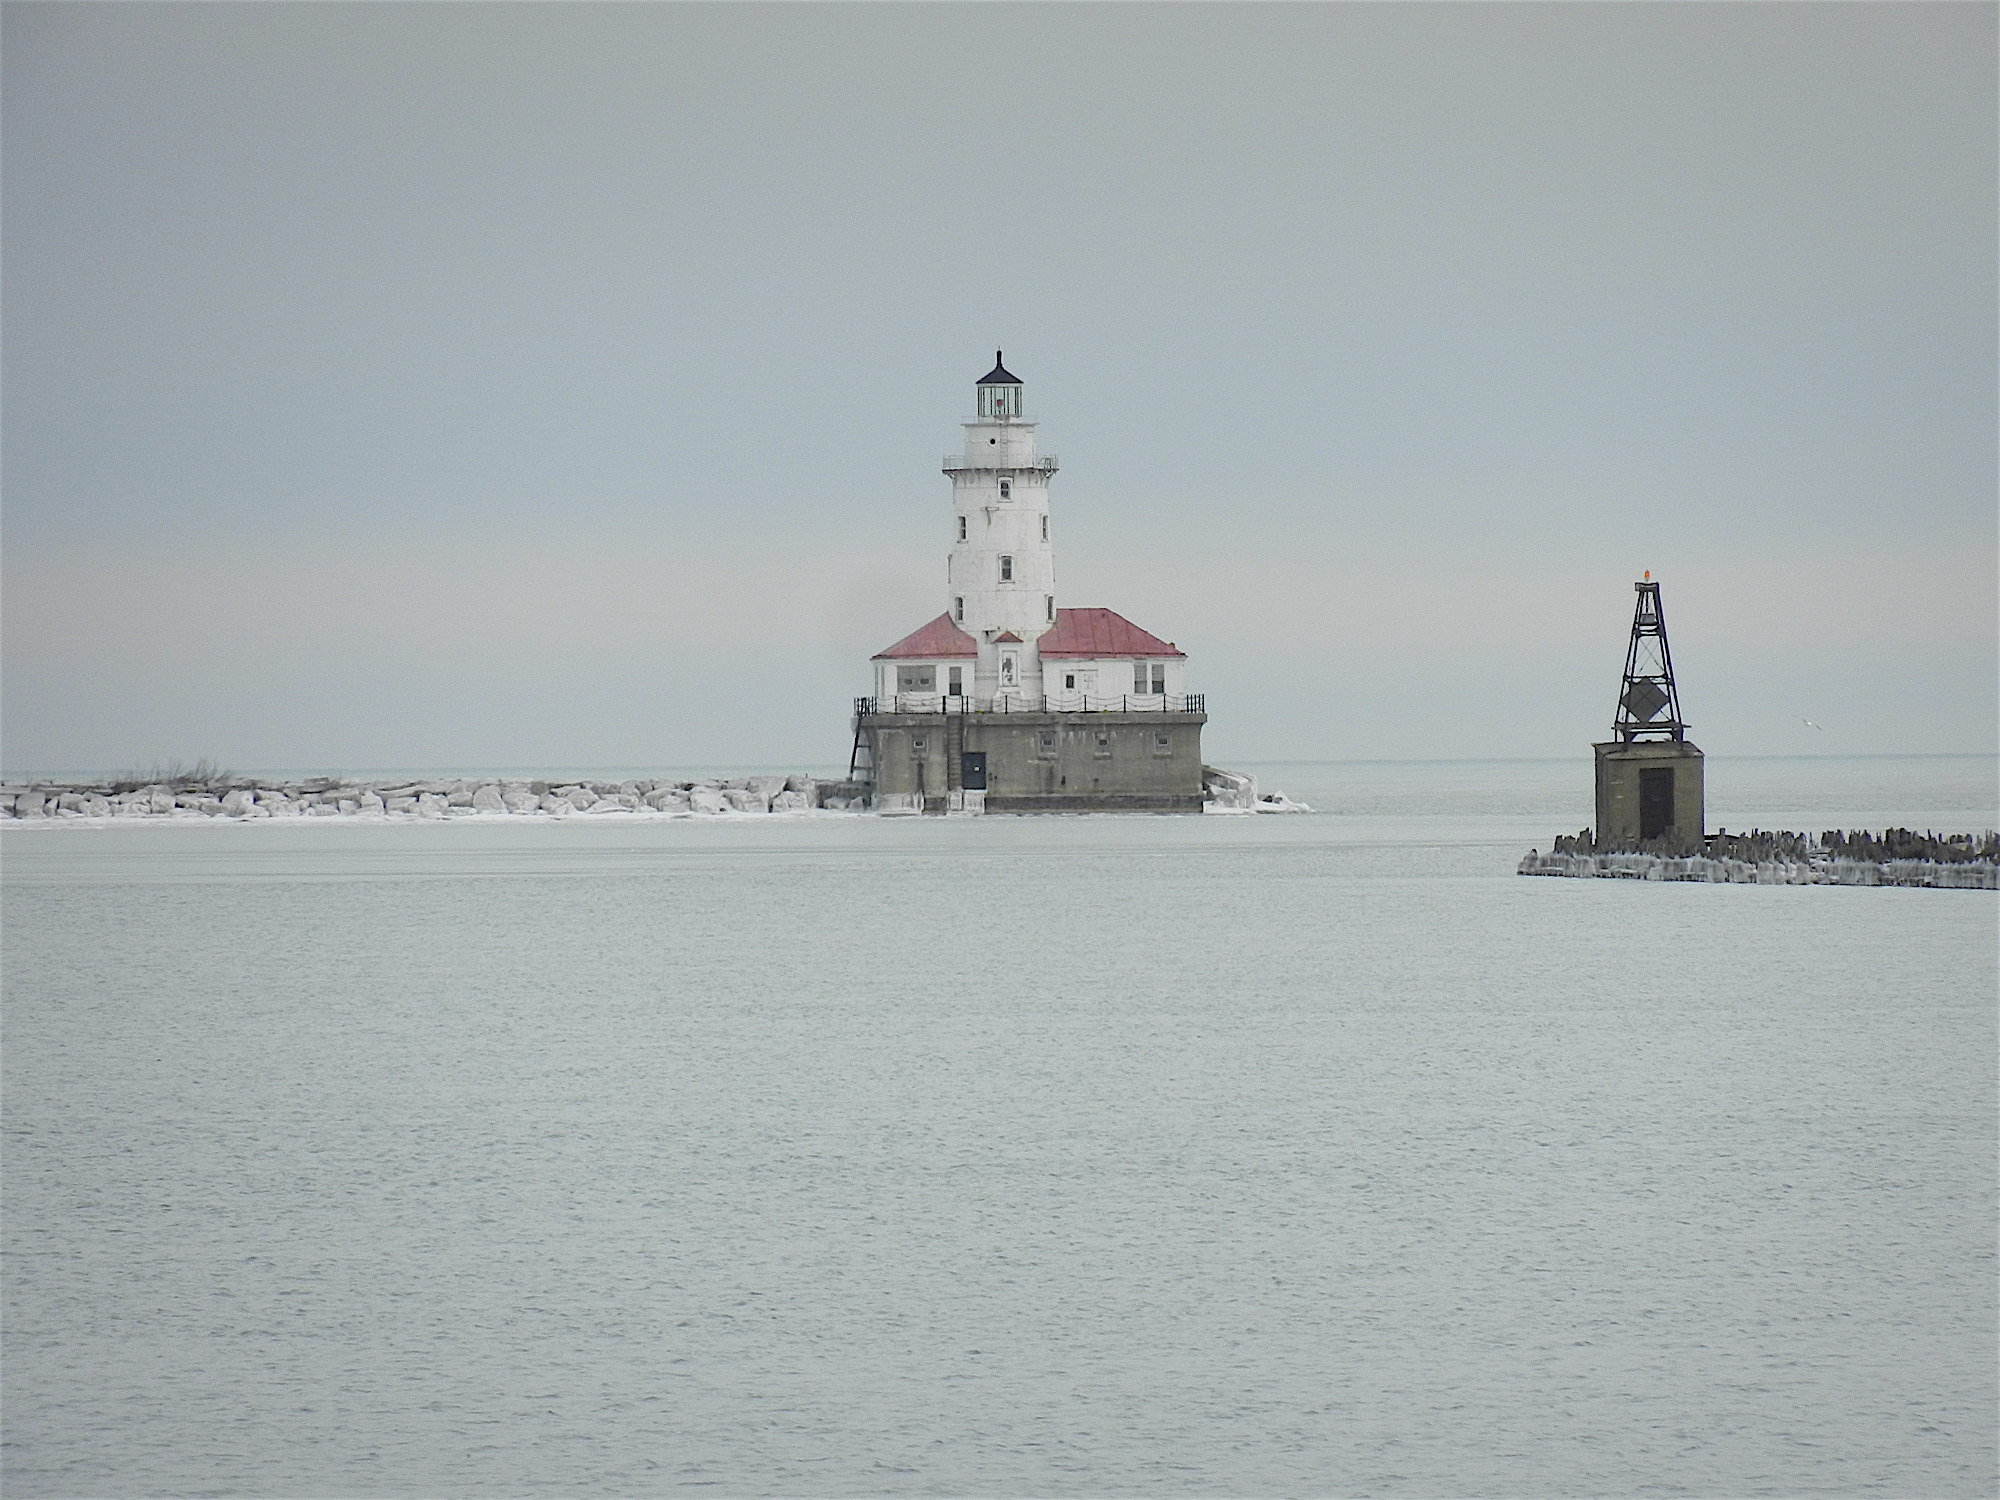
x=972, y=770
x=1656, y=801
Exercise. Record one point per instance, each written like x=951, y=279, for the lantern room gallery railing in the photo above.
x=956, y=463
x=1031, y=703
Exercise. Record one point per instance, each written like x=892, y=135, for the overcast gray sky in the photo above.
x=413, y=385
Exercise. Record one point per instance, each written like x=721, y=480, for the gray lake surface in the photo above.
x=1314, y=1155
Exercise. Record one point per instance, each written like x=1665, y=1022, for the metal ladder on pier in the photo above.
x=954, y=756
x=861, y=759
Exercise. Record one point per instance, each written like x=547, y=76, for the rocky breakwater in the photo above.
x=464, y=797
x=1895, y=856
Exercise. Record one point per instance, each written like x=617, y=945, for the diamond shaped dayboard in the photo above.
x=1643, y=699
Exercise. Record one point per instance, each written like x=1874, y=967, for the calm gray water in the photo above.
x=1065, y=1156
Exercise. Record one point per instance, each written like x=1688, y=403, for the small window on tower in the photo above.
x=1049, y=603
x=1045, y=528
x=958, y=607
x=1006, y=569
x=961, y=528
x=1006, y=489
x=1069, y=681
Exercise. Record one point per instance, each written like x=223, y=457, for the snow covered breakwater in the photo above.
x=1895, y=857
x=461, y=797
x=224, y=796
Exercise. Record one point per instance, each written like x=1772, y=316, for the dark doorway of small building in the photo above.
x=1656, y=801
x=972, y=770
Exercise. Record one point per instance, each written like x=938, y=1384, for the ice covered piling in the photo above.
x=1894, y=857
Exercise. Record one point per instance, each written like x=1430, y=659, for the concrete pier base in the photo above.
x=1035, y=762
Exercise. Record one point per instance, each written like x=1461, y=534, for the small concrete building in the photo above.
x=1649, y=775
x=1007, y=702
x=1647, y=790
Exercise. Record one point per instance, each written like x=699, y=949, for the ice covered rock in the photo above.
x=521, y=802
x=488, y=800
x=238, y=801
x=767, y=787
x=791, y=802
x=1278, y=802
x=707, y=799
x=1228, y=791
x=746, y=799
x=432, y=805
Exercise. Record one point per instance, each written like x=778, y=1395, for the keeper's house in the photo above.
x=1005, y=702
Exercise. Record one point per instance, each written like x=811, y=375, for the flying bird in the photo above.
x=1810, y=724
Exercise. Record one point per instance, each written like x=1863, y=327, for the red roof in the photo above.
x=938, y=639
x=1100, y=632
x=1007, y=635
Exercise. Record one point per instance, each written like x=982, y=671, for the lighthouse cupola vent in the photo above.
x=999, y=393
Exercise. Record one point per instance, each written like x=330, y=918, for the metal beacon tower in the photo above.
x=1649, y=775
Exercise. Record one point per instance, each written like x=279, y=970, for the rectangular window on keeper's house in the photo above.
x=1069, y=682
x=1138, y=677
x=1006, y=569
x=1159, y=677
x=957, y=682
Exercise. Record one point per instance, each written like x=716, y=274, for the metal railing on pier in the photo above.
x=1035, y=703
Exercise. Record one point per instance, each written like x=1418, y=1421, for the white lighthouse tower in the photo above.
x=1002, y=569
